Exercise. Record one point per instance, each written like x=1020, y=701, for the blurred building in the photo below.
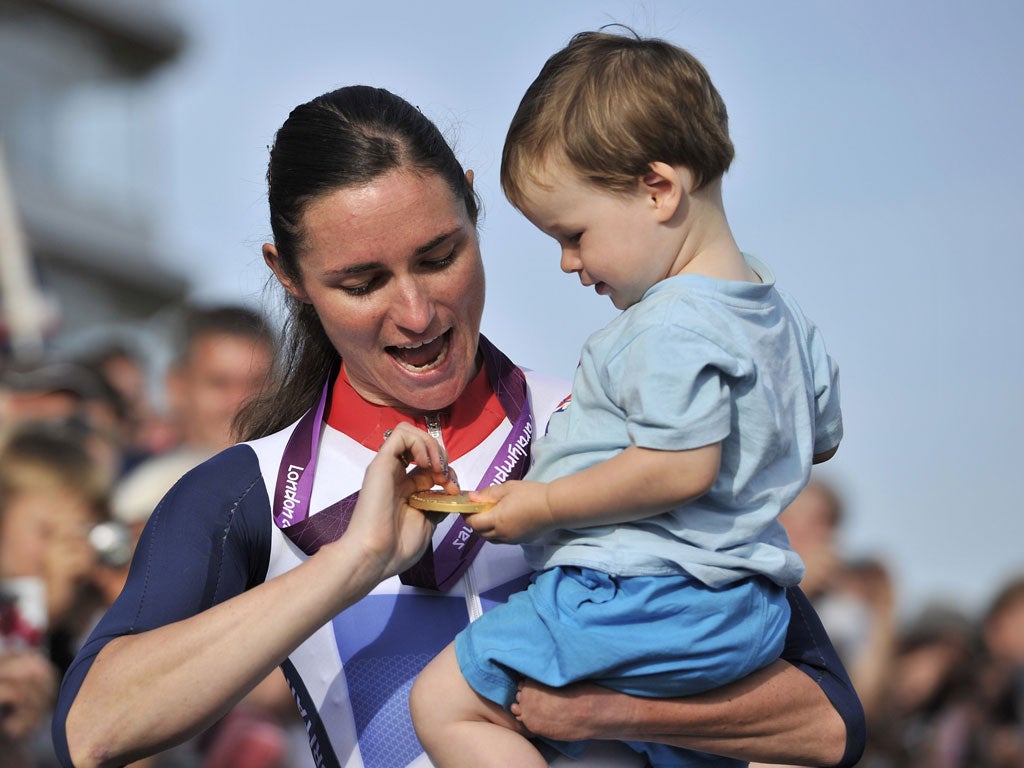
x=82, y=151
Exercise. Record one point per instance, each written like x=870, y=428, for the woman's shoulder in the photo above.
x=229, y=474
x=237, y=458
x=185, y=471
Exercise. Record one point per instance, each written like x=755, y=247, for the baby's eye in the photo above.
x=575, y=239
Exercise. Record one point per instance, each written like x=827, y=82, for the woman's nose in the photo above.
x=413, y=307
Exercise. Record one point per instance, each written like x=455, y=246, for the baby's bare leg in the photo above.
x=458, y=727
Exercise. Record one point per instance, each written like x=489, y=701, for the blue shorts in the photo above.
x=655, y=636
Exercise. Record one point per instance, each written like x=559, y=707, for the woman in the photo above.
x=243, y=566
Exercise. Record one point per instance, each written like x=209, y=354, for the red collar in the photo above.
x=464, y=424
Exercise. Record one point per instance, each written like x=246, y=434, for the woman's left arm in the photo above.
x=801, y=709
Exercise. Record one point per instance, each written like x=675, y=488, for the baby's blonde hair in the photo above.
x=611, y=105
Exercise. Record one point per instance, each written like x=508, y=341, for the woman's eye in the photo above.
x=441, y=263
x=361, y=289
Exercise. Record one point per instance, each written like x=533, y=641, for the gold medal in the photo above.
x=439, y=501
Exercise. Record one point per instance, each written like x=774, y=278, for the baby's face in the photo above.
x=612, y=241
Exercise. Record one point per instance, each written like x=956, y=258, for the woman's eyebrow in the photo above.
x=369, y=266
x=431, y=245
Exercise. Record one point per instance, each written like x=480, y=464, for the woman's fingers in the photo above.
x=423, y=479
x=410, y=445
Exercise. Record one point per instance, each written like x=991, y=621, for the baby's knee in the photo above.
x=428, y=703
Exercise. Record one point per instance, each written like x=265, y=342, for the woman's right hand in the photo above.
x=394, y=534
x=209, y=660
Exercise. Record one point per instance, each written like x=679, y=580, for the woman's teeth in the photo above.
x=422, y=357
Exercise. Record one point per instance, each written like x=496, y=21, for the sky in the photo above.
x=878, y=172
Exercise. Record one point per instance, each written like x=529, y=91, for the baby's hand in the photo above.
x=520, y=513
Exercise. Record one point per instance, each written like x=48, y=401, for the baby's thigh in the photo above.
x=441, y=695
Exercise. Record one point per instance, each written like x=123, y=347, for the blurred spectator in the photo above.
x=1003, y=627
x=1001, y=683
x=955, y=696
x=226, y=355
x=854, y=598
x=70, y=394
x=927, y=714
x=126, y=368
x=812, y=522
x=28, y=685
x=52, y=495
x=40, y=392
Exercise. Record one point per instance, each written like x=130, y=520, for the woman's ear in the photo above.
x=667, y=187
x=273, y=260
x=469, y=177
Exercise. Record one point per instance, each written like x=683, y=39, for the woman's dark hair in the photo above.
x=344, y=138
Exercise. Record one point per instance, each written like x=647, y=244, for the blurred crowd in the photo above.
x=943, y=688
x=90, y=443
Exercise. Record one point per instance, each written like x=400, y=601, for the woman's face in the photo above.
x=393, y=270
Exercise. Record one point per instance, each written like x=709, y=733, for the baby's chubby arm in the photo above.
x=634, y=484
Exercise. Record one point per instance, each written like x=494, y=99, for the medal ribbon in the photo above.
x=442, y=566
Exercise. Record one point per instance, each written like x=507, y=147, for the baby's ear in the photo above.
x=666, y=186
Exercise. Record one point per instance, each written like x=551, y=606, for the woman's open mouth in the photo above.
x=424, y=356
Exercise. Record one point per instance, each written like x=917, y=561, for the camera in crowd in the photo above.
x=112, y=543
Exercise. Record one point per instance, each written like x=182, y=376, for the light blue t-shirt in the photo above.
x=698, y=361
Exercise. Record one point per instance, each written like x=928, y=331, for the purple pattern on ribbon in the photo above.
x=440, y=568
x=325, y=526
